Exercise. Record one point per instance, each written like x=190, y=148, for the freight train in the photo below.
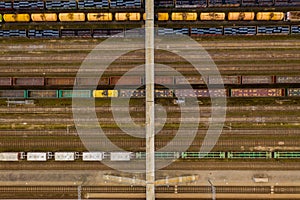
x=127, y=156
x=117, y=4
x=194, y=31
x=137, y=16
x=159, y=93
x=140, y=80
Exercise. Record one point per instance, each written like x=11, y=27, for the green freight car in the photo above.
x=194, y=155
x=0, y=18
x=288, y=155
x=75, y=93
x=244, y=155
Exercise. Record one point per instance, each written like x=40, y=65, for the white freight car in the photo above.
x=11, y=156
x=37, y=156
x=120, y=156
x=65, y=156
x=92, y=156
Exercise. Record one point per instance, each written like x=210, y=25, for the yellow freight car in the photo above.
x=127, y=16
x=241, y=16
x=184, y=16
x=44, y=17
x=163, y=16
x=212, y=16
x=105, y=93
x=99, y=16
x=266, y=16
x=71, y=17
x=16, y=17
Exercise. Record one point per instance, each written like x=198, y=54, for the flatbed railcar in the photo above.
x=95, y=156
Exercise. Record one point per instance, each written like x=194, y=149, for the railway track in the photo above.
x=233, y=143
x=203, y=165
x=158, y=189
x=67, y=58
x=59, y=120
x=102, y=109
x=116, y=132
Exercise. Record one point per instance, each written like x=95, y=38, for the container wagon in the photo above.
x=258, y=79
x=184, y=16
x=258, y=92
x=44, y=17
x=293, y=16
x=5, y=81
x=71, y=17
x=23, y=81
x=127, y=16
x=16, y=17
x=99, y=17
x=238, y=16
x=212, y=16
x=267, y=16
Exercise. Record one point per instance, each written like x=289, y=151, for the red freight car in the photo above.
x=126, y=80
x=257, y=92
x=60, y=81
x=90, y=81
x=29, y=81
x=5, y=81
